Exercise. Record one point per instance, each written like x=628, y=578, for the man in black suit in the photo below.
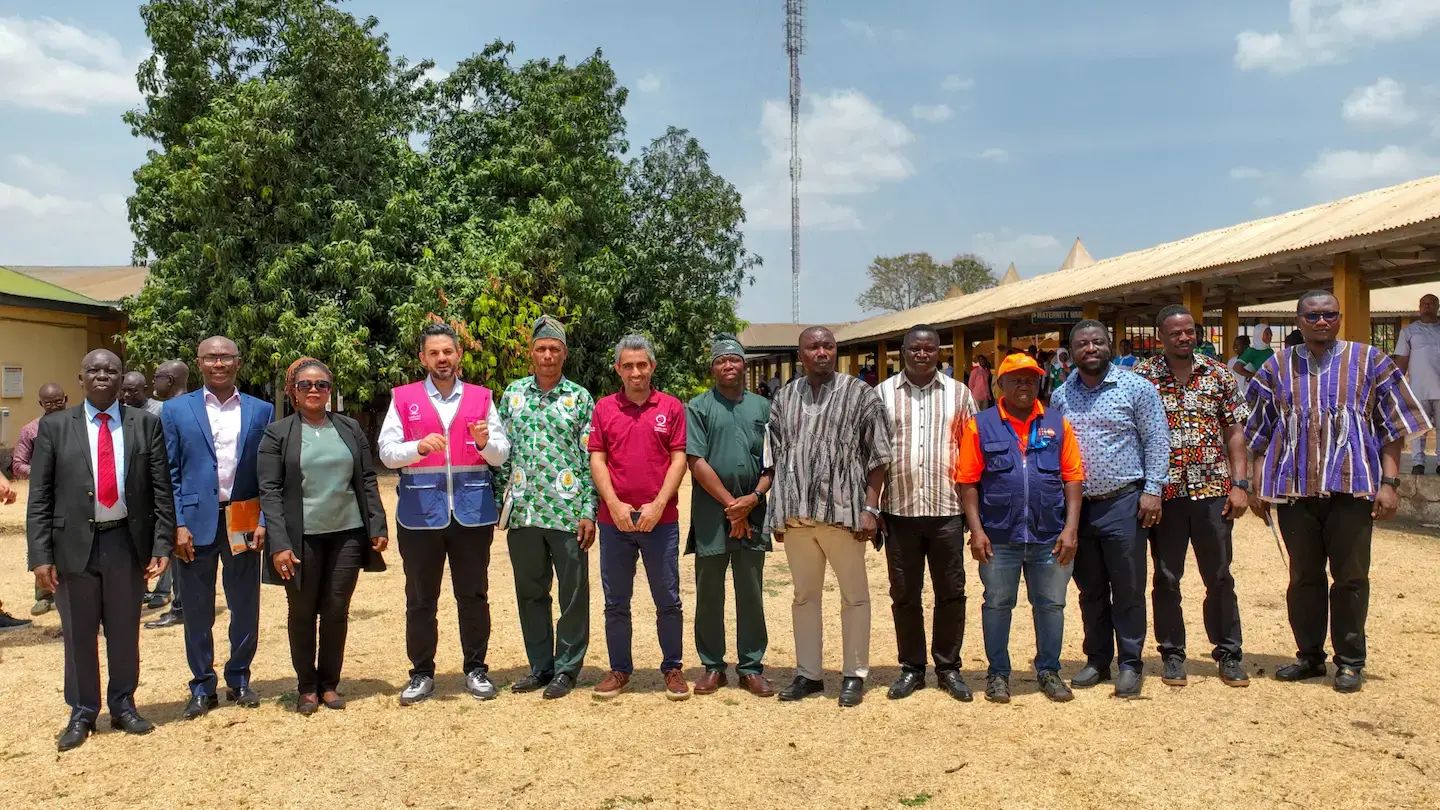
x=100, y=509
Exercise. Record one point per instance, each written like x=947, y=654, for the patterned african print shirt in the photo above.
x=1318, y=423
x=1121, y=428
x=547, y=477
x=822, y=449
x=1198, y=414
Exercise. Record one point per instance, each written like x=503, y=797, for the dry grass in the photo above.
x=1272, y=745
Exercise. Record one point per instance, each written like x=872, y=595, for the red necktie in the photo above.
x=105, y=460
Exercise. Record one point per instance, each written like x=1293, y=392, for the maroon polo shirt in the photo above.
x=637, y=441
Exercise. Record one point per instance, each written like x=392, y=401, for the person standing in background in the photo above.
x=1242, y=383
x=1125, y=359
x=8, y=622
x=1255, y=356
x=170, y=381
x=1417, y=353
x=979, y=383
x=132, y=394
x=52, y=400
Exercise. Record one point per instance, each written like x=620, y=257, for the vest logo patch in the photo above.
x=1045, y=433
x=414, y=412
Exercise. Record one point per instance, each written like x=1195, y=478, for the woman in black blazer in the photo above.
x=324, y=522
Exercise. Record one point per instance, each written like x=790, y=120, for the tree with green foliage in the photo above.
x=911, y=279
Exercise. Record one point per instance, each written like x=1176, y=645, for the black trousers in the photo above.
x=1110, y=575
x=423, y=553
x=1334, y=530
x=1184, y=522
x=106, y=594
x=321, y=592
x=909, y=543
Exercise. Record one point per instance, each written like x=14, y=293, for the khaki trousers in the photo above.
x=807, y=548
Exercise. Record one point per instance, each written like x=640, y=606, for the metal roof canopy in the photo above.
x=1394, y=232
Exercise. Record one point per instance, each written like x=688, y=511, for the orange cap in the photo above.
x=1018, y=361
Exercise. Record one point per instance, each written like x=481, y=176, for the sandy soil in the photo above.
x=1273, y=745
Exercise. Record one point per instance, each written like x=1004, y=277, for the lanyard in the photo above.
x=1033, y=441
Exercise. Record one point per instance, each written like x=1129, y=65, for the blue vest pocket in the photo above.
x=423, y=502
x=475, y=499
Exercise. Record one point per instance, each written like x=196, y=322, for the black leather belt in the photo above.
x=112, y=525
x=1116, y=493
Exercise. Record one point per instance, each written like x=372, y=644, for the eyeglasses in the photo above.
x=305, y=386
x=1316, y=317
x=219, y=359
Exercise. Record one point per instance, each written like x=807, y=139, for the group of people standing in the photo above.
x=1160, y=458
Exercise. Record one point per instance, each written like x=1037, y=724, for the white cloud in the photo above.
x=995, y=155
x=648, y=83
x=1326, y=31
x=1245, y=173
x=934, y=113
x=24, y=201
x=1381, y=104
x=863, y=29
x=48, y=65
x=435, y=74
x=1264, y=203
x=42, y=173
x=848, y=147
x=1354, y=170
x=954, y=83
x=1031, y=252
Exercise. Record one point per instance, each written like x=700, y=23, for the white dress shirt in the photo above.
x=395, y=452
x=225, y=429
x=105, y=514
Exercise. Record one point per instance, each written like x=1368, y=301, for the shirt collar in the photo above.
x=934, y=381
x=114, y=410
x=210, y=397
x=434, y=392
x=1112, y=376
x=532, y=383
x=626, y=403
x=1035, y=414
x=1304, y=351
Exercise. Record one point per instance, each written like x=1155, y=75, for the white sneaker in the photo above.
x=480, y=686
x=419, y=688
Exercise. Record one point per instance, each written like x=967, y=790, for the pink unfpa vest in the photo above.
x=427, y=486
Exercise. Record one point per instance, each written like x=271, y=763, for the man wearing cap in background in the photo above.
x=550, y=511
x=1417, y=353
x=725, y=443
x=52, y=400
x=1014, y=450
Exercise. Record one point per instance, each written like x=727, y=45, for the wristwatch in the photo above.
x=872, y=510
x=1242, y=483
x=1394, y=482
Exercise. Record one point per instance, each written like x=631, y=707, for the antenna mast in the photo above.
x=794, y=46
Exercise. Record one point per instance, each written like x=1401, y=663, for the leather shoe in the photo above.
x=905, y=685
x=953, y=682
x=169, y=618
x=711, y=682
x=756, y=685
x=532, y=683
x=1300, y=671
x=1348, y=680
x=559, y=687
x=334, y=703
x=1128, y=684
x=852, y=691
x=307, y=704
x=801, y=688
x=75, y=735
x=245, y=697
x=131, y=722
x=1090, y=676
x=199, y=706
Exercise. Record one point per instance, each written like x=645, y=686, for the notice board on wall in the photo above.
x=12, y=382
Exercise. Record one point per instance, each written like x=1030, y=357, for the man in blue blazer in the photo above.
x=213, y=436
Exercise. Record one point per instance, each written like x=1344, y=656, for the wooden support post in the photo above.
x=1229, y=329
x=1090, y=311
x=1002, y=340
x=854, y=361
x=882, y=362
x=1354, y=298
x=1192, y=297
x=962, y=353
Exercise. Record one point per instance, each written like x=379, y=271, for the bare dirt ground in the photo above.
x=1272, y=745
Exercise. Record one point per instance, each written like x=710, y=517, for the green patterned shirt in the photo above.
x=547, y=477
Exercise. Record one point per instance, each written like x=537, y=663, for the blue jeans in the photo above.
x=1045, y=583
x=660, y=548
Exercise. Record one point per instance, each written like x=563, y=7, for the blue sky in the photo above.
x=1006, y=129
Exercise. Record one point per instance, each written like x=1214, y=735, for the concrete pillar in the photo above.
x=1192, y=297
x=882, y=362
x=1090, y=311
x=854, y=361
x=1229, y=329
x=1002, y=340
x=784, y=372
x=1354, y=298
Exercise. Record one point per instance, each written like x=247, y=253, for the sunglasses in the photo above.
x=1316, y=317
x=306, y=386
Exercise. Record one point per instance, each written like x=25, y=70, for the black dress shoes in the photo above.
x=245, y=697
x=954, y=683
x=75, y=735
x=1300, y=671
x=131, y=722
x=169, y=618
x=532, y=683
x=1348, y=680
x=801, y=688
x=199, y=706
x=1128, y=684
x=559, y=687
x=906, y=684
x=1090, y=676
x=852, y=691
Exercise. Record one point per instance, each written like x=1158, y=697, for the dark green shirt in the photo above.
x=730, y=436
